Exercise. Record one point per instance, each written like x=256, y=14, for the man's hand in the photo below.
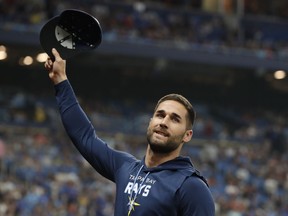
x=56, y=69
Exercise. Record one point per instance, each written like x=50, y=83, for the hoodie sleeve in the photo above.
x=194, y=198
x=104, y=159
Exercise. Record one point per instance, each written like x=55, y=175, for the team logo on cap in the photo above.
x=64, y=38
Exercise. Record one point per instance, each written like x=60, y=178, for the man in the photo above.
x=163, y=183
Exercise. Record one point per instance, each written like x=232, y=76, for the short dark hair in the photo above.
x=181, y=99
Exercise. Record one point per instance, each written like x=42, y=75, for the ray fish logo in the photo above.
x=131, y=205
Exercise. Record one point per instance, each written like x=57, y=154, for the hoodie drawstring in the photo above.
x=132, y=200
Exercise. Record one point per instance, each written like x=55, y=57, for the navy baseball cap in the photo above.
x=72, y=32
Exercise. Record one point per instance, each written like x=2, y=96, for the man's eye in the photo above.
x=175, y=119
x=159, y=115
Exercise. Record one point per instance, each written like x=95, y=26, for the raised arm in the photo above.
x=78, y=126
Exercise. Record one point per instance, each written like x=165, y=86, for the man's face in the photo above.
x=167, y=129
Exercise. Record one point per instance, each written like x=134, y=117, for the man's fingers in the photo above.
x=48, y=64
x=56, y=54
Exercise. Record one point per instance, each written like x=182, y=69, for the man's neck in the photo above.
x=153, y=159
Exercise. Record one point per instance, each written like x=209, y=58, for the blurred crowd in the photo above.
x=179, y=23
x=243, y=155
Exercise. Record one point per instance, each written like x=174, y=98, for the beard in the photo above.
x=161, y=147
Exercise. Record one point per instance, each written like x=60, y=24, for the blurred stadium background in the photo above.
x=229, y=57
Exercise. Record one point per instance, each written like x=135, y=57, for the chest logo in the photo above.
x=132, y=205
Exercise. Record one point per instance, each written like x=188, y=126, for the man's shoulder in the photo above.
x=193, y=175
x=195, y=196
x=196, y=180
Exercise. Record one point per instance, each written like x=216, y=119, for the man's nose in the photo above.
x=164, y=121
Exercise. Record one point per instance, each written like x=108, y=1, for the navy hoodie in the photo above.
x=172, y=188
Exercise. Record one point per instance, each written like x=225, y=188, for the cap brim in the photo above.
x=48, y=39
x=49, y=34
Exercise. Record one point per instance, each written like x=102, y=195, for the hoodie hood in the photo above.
x=179, y=163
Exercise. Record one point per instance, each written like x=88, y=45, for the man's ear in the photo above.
x=188, y=136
